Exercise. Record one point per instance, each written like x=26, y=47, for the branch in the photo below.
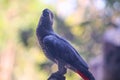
x=56, y=76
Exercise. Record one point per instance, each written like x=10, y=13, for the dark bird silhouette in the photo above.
x=58, y=49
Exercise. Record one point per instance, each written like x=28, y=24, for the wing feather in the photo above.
x=61, y=49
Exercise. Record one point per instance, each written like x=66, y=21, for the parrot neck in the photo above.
x=42, y=32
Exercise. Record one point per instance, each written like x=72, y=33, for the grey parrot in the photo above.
x=58, y=49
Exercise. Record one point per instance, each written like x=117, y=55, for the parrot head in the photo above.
x=46, y=18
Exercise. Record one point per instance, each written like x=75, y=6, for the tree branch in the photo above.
x=56, y=76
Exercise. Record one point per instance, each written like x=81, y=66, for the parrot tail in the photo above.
x=86, y=75
x=83, y=76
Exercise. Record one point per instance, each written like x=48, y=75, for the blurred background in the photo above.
x=92, y=27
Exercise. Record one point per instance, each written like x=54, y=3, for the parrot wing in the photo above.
x=61, y=49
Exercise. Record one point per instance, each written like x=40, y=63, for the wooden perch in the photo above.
x=56, y=76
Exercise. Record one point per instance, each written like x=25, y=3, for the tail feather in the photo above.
x=83, y=76
x=86, y=76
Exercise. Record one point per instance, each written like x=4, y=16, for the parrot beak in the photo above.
x=46, y=12
x=46, y=17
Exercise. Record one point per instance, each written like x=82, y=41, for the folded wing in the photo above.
x=62, y=50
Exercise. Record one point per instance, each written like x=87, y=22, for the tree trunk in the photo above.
x=7, y=62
